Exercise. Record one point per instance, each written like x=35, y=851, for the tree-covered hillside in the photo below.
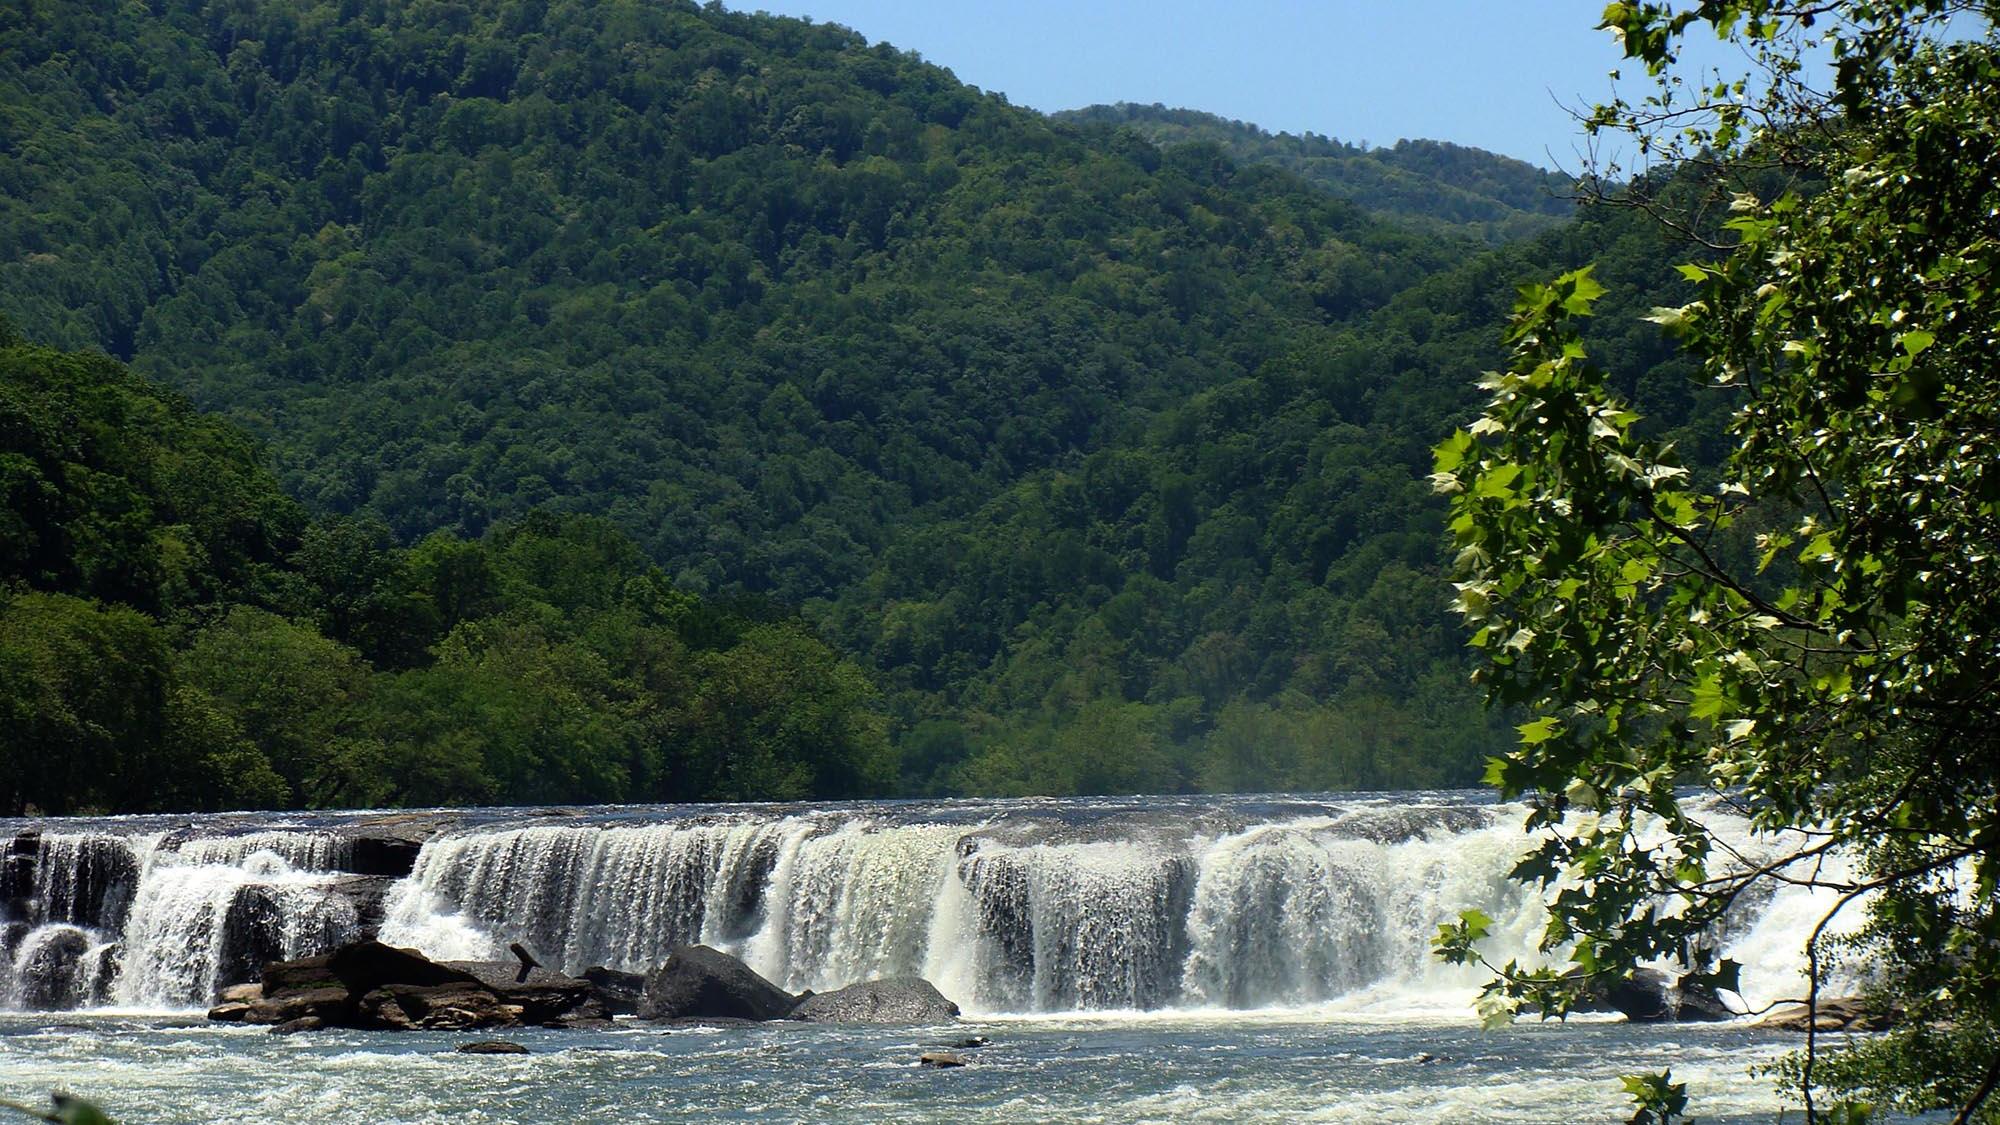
x=175, y=633
x=1430, y=184
x=1102, y=456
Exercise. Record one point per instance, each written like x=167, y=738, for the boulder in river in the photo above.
x=367, y=965
x=375, y=986
x=303, y=1023
x=435, y=1007
x=1840, y=1013
x=894, y=1000
x=1651, y=996
x=491, y=1047
x=333, y=1004
x=619, y=992
x=696, y=982
x=543, y=995
x=940, y=1059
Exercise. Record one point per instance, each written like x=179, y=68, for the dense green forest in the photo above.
x=176, y=633
x=1100, y=461
x=1432, y=185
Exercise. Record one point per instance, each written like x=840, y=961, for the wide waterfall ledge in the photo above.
x=1034, y=906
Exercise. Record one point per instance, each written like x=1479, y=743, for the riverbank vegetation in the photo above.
x=1807, y=627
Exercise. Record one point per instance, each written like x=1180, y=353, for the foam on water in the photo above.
x=1192, y=1068
x=1236, y=904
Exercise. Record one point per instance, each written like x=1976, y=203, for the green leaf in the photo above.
x=1540, y=730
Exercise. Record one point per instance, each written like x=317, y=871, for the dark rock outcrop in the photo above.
x=303, y=1023
x=619, y=992
x=11, y=934
x=370, y=894
x=542, y=994
x=696, y=982
x=302, y=973
x=384, y=856
x=17, y=872
x=437, y=1007
x=895, y=1000
x=333, y=1004
x=49, y=969
x=374, y=986
x=367, y=965
x=491, y=1047
x=1651, y=996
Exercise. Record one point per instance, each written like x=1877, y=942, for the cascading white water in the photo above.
x=177, y=942
x=850, y=905
x=1006, y=906
x=1026, y=909
x=142, y=921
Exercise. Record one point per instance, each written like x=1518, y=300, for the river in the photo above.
x=1133, y=959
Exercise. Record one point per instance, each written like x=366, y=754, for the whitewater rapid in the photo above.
x=1139, y=904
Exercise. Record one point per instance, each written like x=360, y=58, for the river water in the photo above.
x=1270, y=1066
x=1144, y=959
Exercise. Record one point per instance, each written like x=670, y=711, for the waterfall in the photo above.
x=1008, y=906
x=147, y=921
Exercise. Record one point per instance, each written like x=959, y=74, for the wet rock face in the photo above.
x=382, y=856
x=89, y=882
x=17, y=873
x=895, y=1000
x=47, y=971
x=696, y=982
x=1651, y=996
x=619, y=992
x=253, y=935
x=373, y=986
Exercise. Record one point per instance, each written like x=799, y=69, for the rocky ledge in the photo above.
x=698, y=984
x=1841, y=1013
x=371, y=986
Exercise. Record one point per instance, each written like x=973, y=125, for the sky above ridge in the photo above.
x=1495, y=74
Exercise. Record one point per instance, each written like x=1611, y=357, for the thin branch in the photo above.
x=1980, y=1095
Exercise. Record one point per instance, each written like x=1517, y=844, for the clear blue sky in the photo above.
x=1480, y=72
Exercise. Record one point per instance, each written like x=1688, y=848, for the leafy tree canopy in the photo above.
x=1808, y=630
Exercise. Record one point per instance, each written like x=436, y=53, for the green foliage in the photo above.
x=548, y=661
x=1432, y=185
x=1026, y=414
x=1039, y=421
x=1658, y=1100
x=1804, y=631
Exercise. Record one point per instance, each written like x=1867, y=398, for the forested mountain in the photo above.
x=175, y=633
x=1433, y=184
x=1105, y=458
